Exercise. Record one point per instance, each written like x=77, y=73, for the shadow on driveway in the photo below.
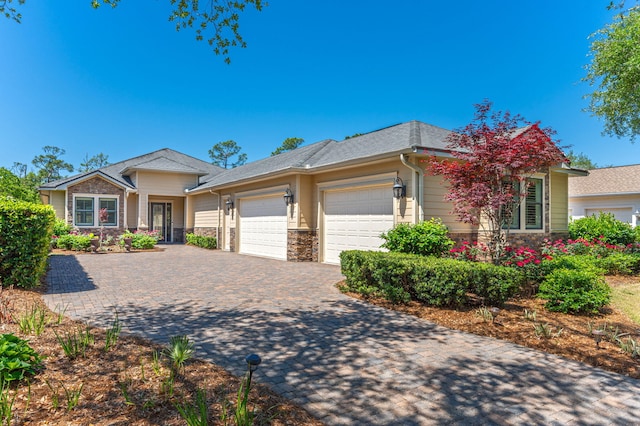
x=351, y=363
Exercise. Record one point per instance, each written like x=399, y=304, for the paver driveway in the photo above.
x=345, y=361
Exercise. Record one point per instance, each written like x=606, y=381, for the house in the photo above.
x=308, y=204
x=614, y=190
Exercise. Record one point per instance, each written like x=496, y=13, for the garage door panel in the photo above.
x=263, y=227
x=354, y=220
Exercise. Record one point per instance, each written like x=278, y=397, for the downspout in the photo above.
x=417, y=189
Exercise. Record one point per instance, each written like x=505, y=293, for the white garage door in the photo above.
x=263, y=227
x=354, y=220
x=622, y=214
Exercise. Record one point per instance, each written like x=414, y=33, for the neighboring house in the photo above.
x=613, y=190
x=308, y=204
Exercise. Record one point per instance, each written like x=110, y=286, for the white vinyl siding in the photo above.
x=354, y=220
x=263, y=227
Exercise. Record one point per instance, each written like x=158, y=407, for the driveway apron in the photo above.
x=346, y=362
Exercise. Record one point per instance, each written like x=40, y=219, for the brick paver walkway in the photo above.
x=346, y=362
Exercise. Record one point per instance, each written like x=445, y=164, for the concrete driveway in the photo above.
x=346, y=362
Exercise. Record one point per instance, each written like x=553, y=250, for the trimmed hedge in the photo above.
x=25, y=237
x=202, y=241
x=436, y=281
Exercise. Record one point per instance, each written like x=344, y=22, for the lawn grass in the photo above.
x=626, y=297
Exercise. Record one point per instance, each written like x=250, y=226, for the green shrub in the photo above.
x=77, y=242
x=25, y=238
x=202, y=241
x=618, y=263
x=61, y=227
x=435, y=281
x=604, y=226
x=574, y=291
x=573, y=262
x=17, y=358
x=144, y=240
x=425, y=238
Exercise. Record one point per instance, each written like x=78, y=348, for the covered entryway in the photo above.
x=354, y=220
x=161, y=220
x=263, y=227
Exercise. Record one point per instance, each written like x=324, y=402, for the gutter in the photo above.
x=417, y=187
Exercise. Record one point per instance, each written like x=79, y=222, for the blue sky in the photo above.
x=123, y=82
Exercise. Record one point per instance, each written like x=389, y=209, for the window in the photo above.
x=530, y=210
x=84, y=211
x=533, y=205
x=87, y=209
x=112, y=211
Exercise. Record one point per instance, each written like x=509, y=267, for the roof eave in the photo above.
x=604, y=194
x=431, y=151
x=81, y=178
x=127, y=170
x=301, y=170
x=563, y=168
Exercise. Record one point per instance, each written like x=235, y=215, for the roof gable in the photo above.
x=163, y=160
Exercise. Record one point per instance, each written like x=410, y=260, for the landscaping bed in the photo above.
x=124, y=385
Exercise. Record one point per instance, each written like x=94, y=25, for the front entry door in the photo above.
x=161, y=220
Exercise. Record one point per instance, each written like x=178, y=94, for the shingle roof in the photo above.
x=608, y=180
x=164, y=164
x=400, y=138
x=388, y=141
x=162, y=160
x=295, y=159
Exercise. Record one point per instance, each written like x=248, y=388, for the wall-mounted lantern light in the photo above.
x=399, y=189
x=229, y=205
x=288, y=197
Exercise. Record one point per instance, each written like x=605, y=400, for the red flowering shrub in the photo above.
x=520, y=257
x=468, y=251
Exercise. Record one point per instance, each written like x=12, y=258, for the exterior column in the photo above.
x=143, y=206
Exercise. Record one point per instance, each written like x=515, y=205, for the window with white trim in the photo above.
x=86, y=209
x=111, y=204
x=530, y=211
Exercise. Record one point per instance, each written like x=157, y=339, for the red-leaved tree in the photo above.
x=488, y=177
